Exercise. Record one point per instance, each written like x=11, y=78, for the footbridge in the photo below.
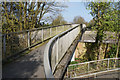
x=47, y=51
x=39, y=53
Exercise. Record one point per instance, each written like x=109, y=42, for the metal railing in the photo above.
x=16, y=42
x=57, y=47
x=92, y=67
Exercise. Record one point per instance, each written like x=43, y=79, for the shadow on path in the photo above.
x=28, y=66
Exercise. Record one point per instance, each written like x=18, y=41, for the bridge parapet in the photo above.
x=16, y=42
x=57, y=47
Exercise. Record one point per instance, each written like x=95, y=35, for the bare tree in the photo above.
x=78, y=20
x=27, y=15
x=59, y=20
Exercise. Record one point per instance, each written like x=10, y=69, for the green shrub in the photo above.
x=73, y=62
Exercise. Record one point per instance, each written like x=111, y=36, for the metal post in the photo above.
x=28, y=39
x=67, y=72
x=42, y=35
x=50, y=32
x=88, y=66
x=4, y=45
x=95, y=75
x=63, y=27
x=56, y=30
x=69, y=26
x=108, y=64
x=57, y=49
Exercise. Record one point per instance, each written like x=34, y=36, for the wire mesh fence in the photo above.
x=86, y=68
x=14, y=43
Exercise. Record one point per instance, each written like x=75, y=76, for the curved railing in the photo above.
x=57, y=47
x=92, y=68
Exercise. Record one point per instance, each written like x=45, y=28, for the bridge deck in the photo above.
x=28, y=66
x=90, y=36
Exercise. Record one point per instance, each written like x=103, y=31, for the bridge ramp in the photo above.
x=28, y=66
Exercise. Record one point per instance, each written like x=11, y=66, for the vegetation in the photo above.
x=18, y=16
x=78, y=20
x=73, y=62
x=112, y=51
x=90, y=24
x=59, y=20
x=105, y=19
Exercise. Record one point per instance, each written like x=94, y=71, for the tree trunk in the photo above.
x=25, y=12
x=20, y=20
x=106, y=50
x=98, y=40
x=118, y=45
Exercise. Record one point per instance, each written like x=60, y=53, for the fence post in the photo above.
x=69, y=26
x=88, y=66
x=50, y=32
x=42, y=35
x=63, y=28
x=4, y=45
x=67, y=73
x=56, y=30
x=29, y=39
x=95, y=75
x=57, y=49
x=108, y=64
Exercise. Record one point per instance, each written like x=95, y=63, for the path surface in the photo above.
x=114, y=74
x=28, y=66
x=90, y=36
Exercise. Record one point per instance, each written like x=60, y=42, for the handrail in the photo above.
x=48, y=67
x=16, y=42
x=93, y=61
x=95, y=74
x=34, y=29
x=92, y=67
